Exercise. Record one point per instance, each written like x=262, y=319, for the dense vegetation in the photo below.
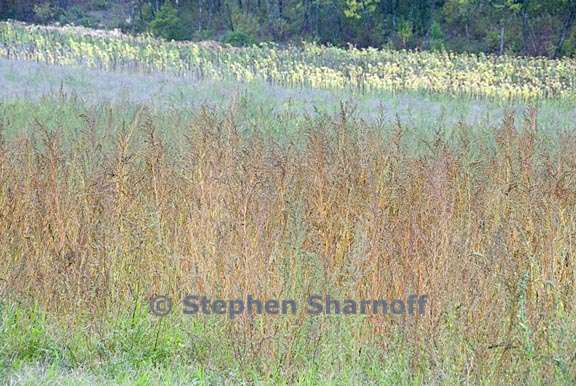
x=527, y=27
x=309, y=65
x=102, y=212
x=131, y=167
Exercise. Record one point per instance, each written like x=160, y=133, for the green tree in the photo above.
x=568, y=8
x=167, y=23
x=436, y=36
x=355, y=8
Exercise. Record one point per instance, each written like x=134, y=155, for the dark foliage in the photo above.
x=524, y=27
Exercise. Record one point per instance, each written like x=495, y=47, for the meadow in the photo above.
x=309, y=65
x=132, y=167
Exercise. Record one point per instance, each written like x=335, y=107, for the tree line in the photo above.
x=523, y=27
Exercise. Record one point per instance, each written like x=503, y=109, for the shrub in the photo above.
x=167, y=23
x=76, y=15
x=405, y=32
x=44, y=13
x=436, y=36
x=238, y=39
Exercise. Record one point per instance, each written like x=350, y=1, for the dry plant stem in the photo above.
x=348, y=211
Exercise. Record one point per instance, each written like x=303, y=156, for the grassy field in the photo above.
x=123, y=177
x=309, y=65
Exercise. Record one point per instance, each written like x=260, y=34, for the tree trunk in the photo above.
x=501, y=50
x=528, y=34
x=229, y=17
x=280, y=9
x=566, y=28
x=306, y=22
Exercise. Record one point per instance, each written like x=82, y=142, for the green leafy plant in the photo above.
x=436, y=36
x=238, y=39
x=44, y=13
x=167, y=23
x=405, y=31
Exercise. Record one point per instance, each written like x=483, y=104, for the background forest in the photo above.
x=521, y=27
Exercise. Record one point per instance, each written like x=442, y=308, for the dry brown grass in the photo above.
x=346, y=210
